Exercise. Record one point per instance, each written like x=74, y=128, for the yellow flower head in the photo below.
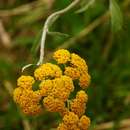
x=62, y=87
x=32, y=109
x=78, y=107
x=25, y=82
x=62, y=56
x=46, y=87
x=82, y=96
x=17, y=93
x=68, y=82
x=74, y=73
x=84, y=122
x=47, y=70
x=59, y=90
x=84, y=81
x=27, y=99
x=78, y=62
x=53, y=104
x=54, y=90
x=70, y=119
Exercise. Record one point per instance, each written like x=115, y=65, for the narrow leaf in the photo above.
x=86, y=6
x=116, y=16
x=58, y=34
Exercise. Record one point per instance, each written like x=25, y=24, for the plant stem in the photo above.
x=50, y=20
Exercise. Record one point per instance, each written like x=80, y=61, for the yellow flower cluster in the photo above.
x=62, y=56
x=46, y=71
x=78, y=105
x=26, y=82
x=28, y=100
x=74, y=73
x=72, y=122
x=53, y=104
x=57, y=93
x=76, y=67
x=54, y=89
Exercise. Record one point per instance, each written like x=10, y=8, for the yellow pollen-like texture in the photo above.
x=28, y=101
x=46, y=87
x=62, y=56
x=70, y=120
x=32, y=110
x=76, y=67
x=46, y=71
x=82, y=96
x=84, y=80
x=17, y=94
x=56, y=85
x=74, y=73
x=25, y=82
x=62, y=87
x=53, y=104
x=78, y=62
x=78, y=105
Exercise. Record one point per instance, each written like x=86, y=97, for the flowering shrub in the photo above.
x=54, y=90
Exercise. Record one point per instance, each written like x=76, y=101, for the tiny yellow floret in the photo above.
x=62, y=56
x=28, y=100
x=46, y=87
x=32, y=109
x=74, y=73
x=53, y=104
x=82, y=96
x=25, y=82
x=84, y=81
x=46, y=71
x=68, y=82
x=79, y=62
x=59, y=89
x=70, y=119
x=17, y=93
x=78, y=107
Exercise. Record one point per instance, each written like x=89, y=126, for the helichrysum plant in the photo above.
x=57, y=84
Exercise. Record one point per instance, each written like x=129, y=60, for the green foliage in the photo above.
x=106, y=54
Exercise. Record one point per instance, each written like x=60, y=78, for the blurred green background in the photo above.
x=90, y=35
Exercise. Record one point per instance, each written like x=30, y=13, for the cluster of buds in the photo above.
x=54, y=89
